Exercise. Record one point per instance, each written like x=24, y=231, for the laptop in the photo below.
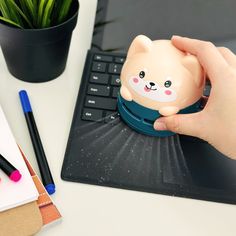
x=102, y=149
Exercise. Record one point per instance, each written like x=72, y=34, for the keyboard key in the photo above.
x=115, y=68
x=98, y=90
x=115, y=80
x=99, y=78
x=104, y=58
x=99, y=66
x=120, y=60
x=112, y=117
x=115, y=92
x=99, y=102
x=92, y=114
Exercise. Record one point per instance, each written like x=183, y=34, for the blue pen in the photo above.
x=37, y=144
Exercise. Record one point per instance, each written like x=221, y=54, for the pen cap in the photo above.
x=9, y=169
x=25, y=101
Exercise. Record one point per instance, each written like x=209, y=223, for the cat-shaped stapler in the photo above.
x=158, y=79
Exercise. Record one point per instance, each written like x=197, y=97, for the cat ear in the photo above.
x=140, y=44
x=191, y=63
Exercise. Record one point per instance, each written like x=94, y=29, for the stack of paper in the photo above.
x=25, y=206
x=14, y=194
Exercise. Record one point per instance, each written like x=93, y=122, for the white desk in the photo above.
x=91, y=210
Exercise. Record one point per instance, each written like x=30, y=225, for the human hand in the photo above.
x=216, y=123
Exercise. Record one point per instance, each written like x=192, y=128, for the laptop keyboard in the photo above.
x=103, y=87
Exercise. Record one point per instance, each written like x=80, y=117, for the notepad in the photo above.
x=13, y=194
x=49, y=212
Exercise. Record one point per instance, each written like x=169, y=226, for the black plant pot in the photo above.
x=38, y=55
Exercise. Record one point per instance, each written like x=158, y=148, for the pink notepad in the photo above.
x=13, y=194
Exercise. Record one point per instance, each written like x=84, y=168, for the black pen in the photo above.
x=37, y=144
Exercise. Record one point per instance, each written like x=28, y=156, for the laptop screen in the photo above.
x=118, y=22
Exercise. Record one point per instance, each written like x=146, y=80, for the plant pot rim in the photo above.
x=15, y=29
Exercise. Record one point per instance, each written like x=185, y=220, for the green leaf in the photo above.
x=63, y=10
x=9, y=12
x=10, y=22
x=35, y=13
x=42, y=4
x=29, y=7
x=4, y=9
x=47, y=13
x=15, y=9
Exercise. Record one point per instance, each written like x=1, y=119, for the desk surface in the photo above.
x=92, y=210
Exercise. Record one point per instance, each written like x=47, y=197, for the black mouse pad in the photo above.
x=112, y=154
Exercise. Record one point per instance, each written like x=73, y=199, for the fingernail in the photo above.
x=160, y=125
x=176, y=37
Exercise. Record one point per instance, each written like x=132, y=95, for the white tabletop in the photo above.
x=89, y=210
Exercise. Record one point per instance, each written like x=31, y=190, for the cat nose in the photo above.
x=152, y=84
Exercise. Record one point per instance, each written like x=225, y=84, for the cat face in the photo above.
x=153, y=90
x=157, y=75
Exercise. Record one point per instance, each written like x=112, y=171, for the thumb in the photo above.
x=188, y=124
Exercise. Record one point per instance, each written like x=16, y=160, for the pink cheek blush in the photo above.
x=168, y=92
x=135, y=80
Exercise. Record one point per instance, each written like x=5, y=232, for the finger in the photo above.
x=208, y=55
x=188, y=124
x=228, y=55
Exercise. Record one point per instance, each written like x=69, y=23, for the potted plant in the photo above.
x=35, y=36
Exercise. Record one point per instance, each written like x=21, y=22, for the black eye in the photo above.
x=167, y=83
x=141, y=74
